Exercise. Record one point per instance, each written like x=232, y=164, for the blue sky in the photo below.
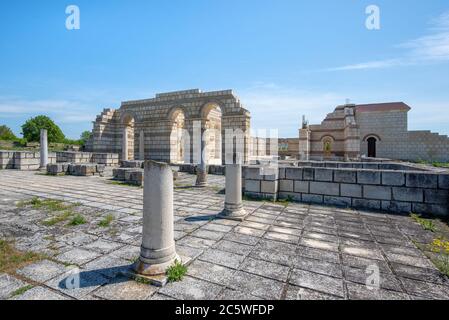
x=282, y=58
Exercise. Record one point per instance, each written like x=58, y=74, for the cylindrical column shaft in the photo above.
x=125, y=144
x=142, y=145
x=44, y=149
x=201, y=175
x=158, y=244
x=233, y=199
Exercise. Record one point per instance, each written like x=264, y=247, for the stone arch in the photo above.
x=327, y=145
x=128, y=120
x=371, y=141
x=179, y=142
x=371, y=135
x=211, y=114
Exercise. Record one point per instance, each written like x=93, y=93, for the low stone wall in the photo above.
x=108, y=159
x=373, y=165
x=388, y=190
x=129, y=175
x=132, y=164
x=76, y=169
x=23, y=160
x=211, y=169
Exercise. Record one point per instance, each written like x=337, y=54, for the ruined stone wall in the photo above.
x=425, y=145
x=154, y=117
x=388, y=190
x=394, y=141
x=391, y=129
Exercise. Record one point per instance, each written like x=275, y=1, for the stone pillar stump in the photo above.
x=43, y=149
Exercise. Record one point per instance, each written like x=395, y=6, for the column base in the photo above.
x=233, y=212
x=154, y=274
x=201, y=179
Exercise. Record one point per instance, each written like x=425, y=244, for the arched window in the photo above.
x=327, y=146
x=371, y=147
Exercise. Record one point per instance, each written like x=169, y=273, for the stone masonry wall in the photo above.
x=396, y=142
x=388, y=190
x=23, y=160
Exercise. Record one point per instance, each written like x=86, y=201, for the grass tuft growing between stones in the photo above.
x=106, y=221
x=21, y=291
x=124, y=184
x=427, y=224
x=77, y=220
x=176, y=272
x=60, y=211
x=12, y=259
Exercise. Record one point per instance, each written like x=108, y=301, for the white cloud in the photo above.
x=370, y=65
x=273, y=107
x=432, y=48
x=63, y=111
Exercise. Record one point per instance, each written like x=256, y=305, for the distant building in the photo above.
x=371, y=130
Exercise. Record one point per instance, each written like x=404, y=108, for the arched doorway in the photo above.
x=327, y=147
x=177, y=147
x=371, y=147
x=128, y=137
x=212, y=115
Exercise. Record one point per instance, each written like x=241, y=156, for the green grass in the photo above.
x=60, y=211
x=124, y=184
x=21, y=291
x=427, y=224
x=12, y=259
x=77, y=220
x=57, y=219
x=176, y=272
x=434, y=163
x=106, y=221
x=442, y=263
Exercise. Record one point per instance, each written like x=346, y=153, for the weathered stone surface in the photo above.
x=368, y=177
x=351, y=190
x=408, y=194
x=421, y=180
x=345, y=176
x=325, y=188
x=324, y=175
x=393, y=178
x=377, y=192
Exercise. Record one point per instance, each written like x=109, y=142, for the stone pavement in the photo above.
x=280, y=252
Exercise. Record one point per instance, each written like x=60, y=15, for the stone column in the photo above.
x=201, y=174
x=44, y=149
x=125, y=144
x=233, y=200
x=142, y=145
x=158, y=241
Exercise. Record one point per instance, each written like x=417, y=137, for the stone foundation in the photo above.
x=76, y=169
x=23, y=160
x=398, y=191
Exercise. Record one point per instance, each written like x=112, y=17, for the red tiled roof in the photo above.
x=376, y=107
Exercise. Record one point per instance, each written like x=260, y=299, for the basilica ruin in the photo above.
x=162, y=129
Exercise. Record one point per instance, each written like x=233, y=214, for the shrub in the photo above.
x=7, y=134
x=31, y=129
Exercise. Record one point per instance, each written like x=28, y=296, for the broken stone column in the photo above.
x=233, y=201
x=201, y=174
x=44, y=149
x=158, y=244
x=142, y=145
x=125, y=144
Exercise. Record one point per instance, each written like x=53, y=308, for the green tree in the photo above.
x=6, y=133
x=85, y=136
x=31, y=129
